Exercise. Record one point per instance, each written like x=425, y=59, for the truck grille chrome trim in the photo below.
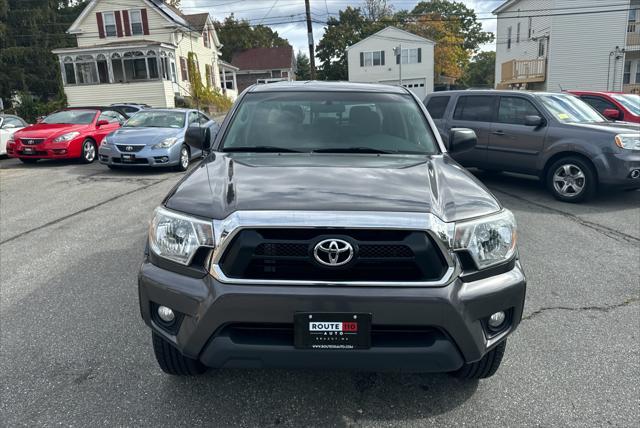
x=442, y=233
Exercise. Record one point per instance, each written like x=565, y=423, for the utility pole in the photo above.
x=312, y=57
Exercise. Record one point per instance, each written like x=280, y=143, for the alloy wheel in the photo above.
x=569, y=180
x=184, y=157
x=89, y=151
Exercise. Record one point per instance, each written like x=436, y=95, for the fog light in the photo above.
x=166, y=314
x=495, y=320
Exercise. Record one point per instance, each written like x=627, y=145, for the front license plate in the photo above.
x=27, y=150
x=330, y=330
x=128, y=158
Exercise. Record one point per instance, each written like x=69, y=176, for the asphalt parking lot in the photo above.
x=74, y=350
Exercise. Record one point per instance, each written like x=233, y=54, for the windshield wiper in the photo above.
x=260, y=149
x=353, y=150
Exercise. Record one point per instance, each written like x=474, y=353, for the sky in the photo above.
x=287, y=16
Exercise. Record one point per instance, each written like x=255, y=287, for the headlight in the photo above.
x=66, y=137
x=105, y=141
x=165, y=144
x=177, y=237
x=489, y=240
x=628, y=141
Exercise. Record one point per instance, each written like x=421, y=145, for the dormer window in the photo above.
x=109, y=20
x=135, y=17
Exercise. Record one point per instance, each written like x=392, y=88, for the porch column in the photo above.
x=235, y=85
x=224, y=80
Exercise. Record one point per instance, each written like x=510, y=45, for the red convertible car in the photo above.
x=66, y=134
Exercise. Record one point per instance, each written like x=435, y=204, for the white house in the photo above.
x=138, y=51
x=554, y=45
x=375, y=60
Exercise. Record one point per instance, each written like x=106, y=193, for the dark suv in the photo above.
x=556, y=137
x=328, y=227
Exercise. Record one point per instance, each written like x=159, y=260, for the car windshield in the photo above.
x=630, y=101
x=76, y=117
x=570, y=109
x=156, y=119
x=330, y=122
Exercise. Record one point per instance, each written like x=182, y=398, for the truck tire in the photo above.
x=484, y=368
x=171, y=361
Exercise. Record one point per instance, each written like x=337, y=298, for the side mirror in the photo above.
x=199, y=138
x=102, y=123
x=611, y=113
x=533, y=120
x=462, y=140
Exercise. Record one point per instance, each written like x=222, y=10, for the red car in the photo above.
x=613, y=105
x=66, y=134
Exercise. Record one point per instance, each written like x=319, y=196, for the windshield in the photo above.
x=338, y=122
x=630, y=101
x=156, y=119
x=76, y=117
x=570, y=109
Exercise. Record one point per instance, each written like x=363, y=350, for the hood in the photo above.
x=144, y=135
x=225, y=183
x=609, y=127
x=49, y=130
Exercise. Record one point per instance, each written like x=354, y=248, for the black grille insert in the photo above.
x=125, y=148
x=31, y=141
x=287, y=254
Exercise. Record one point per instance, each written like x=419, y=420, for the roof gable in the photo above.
x=506, y=5
x=264, y=58
x=396, y=33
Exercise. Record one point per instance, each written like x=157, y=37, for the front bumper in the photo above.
x=110, y=155
x=46, y=150
x=450, y=318
x=615, y=169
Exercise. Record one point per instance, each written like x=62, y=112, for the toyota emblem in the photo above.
x=129, y=148
x=333, y=252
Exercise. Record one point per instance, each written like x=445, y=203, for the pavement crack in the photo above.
x=605, y=230
x=604, y=308
x=84, y=210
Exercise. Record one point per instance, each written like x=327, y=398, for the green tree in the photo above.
x=174, y=3
x=459, y=18
x=303, y=66
x=481, y=71
x=238, y=35
x=350, y=27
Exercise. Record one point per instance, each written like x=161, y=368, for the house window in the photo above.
x=103, y=68
x=86, y=70
x=509, y=31
x=411, y=56
x=109, y=20
x=626, y=77
x=69, y=71
x=116, y=66
x=135, y=17
x=518, y=33
x=369, y=59
x=541, y=47
x=276, y=74
x=205, y=37
x=285, y=74
x=152, y=65
x=174, y=74
x=530, y=30
x=184, y=71
x=637, y=72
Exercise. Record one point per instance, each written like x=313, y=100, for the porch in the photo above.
x=523, y=71
x=228, y=79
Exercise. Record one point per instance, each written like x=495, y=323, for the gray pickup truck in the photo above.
x=328, y=227
x=556, y=137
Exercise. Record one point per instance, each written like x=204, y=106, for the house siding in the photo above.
x=386, y=41
x=526, y=48
x=194, y=43
x=159, y=27
x=156, y=93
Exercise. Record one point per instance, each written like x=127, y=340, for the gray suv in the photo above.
x=328, y=227
x=556, y=137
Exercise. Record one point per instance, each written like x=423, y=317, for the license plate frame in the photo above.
x=28, y=150
x=332, y=330
x=127, y=157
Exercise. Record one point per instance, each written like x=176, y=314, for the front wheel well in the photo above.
x=561, y=155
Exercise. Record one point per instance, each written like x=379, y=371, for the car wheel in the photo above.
x=484, y=368
x=571, y=179
x=185, y=159
x=171, y=361
x=89, y=150
x=28, y=160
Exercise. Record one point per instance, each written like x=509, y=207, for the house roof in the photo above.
x=263, y=58
x=507, y=4
x=197, y=21
x=405, y=36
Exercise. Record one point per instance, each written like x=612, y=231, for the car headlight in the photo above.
x=489, y=240
x=177, y=237
x=66, y=137
x=165, y=144
x=105, y=141
x=628, y=141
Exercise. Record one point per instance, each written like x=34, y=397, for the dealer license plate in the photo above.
x=330, y=330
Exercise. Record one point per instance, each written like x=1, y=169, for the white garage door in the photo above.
x=417, y=86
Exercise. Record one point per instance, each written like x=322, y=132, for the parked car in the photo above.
x=329, y=227
x=71, y=133
x=8, y=125
x=613, y=105
x=155, y=137
x=131, y=108
x=556, y=137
